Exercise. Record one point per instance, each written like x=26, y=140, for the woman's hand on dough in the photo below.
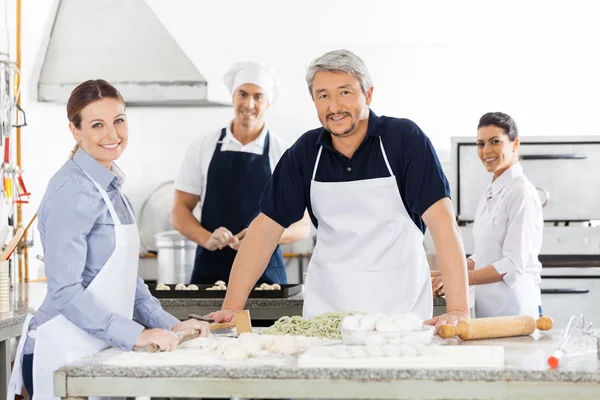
x=163, y=338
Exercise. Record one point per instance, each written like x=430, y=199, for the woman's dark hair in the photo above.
x=500, y=120
x=87, y=93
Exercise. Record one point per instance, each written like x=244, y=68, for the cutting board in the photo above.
x=444, y=357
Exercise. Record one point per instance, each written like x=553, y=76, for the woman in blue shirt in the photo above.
x=91, y=248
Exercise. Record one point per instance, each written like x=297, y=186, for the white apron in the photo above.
x=369, y=254
x=498, y=299
x=59, y=341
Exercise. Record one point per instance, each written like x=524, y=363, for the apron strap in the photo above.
x=317, y=163
x=220, y=141
x=385, y=157
x=266, y=145
x=109, y=204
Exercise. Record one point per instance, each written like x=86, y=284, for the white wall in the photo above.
x=439, y=63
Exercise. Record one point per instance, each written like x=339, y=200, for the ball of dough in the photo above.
x=193, y=287
x=286, y=345
x=235, y=353
x=219, y=283
x=339, y=352
x=276, y=286
x=385, y=324
x=351, y=322
x=221, y=287
x=407, y=350
x=414, y=321
x=392, y=351
x=180, y=286
x=375, y=351
x=264, y=286
x=162, y=286
x=358, y=352
x=210, y=288
x=258, y=288
x=252, y=346
x=368, y=322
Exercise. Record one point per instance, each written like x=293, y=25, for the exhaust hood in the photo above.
x=123, y=42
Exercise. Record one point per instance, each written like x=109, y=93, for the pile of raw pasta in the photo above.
x=325, y=325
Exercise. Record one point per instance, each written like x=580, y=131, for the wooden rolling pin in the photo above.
x=495, y=327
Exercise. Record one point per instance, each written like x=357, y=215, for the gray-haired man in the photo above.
x=371, y=185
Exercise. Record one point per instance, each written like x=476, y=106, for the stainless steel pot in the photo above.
x=175, y=257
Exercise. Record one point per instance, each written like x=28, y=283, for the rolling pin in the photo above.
x=495, y=327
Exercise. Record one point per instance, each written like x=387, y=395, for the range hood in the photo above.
x=123, y=42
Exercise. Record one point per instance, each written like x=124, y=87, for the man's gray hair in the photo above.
x=342, y=61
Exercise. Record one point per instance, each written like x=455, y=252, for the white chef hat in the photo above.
x=255, y=73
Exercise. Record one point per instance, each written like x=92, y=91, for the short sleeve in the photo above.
x=190, y=179
x=425, y=182
x=283, y=199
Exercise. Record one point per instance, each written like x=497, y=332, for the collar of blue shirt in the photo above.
x=97, y=171
x=375, y=128
x=506, y=177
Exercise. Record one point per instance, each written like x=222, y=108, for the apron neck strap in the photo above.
x=109, y=204
x=220, y=141
x=387, y=163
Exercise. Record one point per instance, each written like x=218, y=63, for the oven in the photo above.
x=566, y=173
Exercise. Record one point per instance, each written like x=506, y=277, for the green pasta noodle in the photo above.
x=325, y=325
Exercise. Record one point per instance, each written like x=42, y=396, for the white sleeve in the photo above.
x=278, y=146
x=190, y=178
x=524, y=211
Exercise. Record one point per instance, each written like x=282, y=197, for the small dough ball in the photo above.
x=235, y=353
x=286, y=345
x=392, y=351
x=221, y=287
x=351, y=322
x=375, y=340
x=414, y=320
x=265, y=286
x=193, y=287
x=210, y=288
x=339, y=352
x=368, y=322
x=376, y=351
x=180, y=286
x=276, y=286
x=252, y=346
x=258, y=288
x=385, y=325
x=219, y=283
x=268, y=288
x=358, y=352
x=407, y=350
x=162, y=286
x=146, y=286
x=425, y=350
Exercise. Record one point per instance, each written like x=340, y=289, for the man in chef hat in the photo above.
x=226, y=172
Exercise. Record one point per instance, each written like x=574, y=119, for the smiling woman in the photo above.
x=91, y=248
x=104, y=133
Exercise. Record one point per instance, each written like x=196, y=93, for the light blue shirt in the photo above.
x=77, y=234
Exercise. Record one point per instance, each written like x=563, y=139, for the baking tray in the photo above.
x=286, y=291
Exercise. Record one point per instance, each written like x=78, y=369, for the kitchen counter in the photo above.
x=525, y=375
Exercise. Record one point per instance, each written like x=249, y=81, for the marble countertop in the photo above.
x=525, y=360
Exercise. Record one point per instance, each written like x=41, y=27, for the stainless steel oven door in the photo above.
x=571, y=291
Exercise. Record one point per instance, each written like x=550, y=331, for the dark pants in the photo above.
x=28, y=373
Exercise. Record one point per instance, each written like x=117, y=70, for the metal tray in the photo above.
x=286, y=291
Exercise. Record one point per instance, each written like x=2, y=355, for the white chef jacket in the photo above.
x=508, y=235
